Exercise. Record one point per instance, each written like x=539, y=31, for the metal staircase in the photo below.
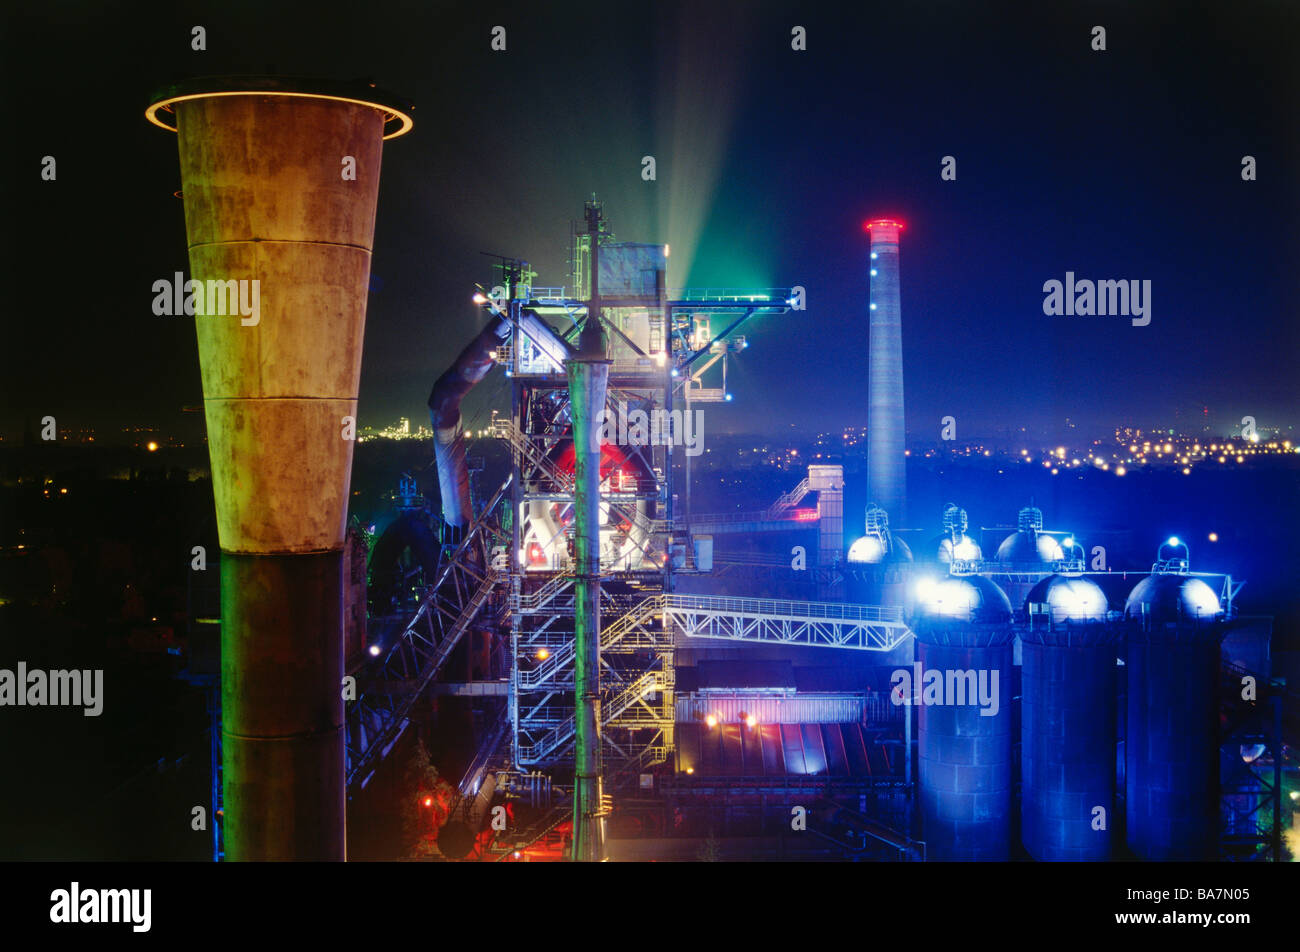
x=558, y=740
x=789, y=500
x=390, y=686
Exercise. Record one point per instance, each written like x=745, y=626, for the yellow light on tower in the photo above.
x=543, y=654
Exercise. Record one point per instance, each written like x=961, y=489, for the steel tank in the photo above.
x=1068, y=722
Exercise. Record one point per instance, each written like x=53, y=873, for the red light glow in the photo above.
x=879, y=222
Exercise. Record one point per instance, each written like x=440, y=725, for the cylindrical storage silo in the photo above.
x=280, y=180
x=1171, y=747
x=1067, y=754
x=964, y=634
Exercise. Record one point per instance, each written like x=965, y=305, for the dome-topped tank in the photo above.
x=964, y=549
x=1028, y=545
x=1169, y=598
x=955, y=543
x=873, y=550
x=879, y=546
x=1069, y=600
x=1067, y=721
x=963, y=637
x=965, y=599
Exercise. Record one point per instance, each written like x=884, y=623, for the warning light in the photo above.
x=428, y=801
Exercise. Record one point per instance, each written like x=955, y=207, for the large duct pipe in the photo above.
x=280, y=181
x=886, y=472
x=451, y=388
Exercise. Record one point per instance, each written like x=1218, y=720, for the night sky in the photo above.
x=1117, y=164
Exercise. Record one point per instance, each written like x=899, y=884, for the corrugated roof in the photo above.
x=772, y=751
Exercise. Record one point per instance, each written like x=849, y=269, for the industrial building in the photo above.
x=928, y=703
x=877, y=700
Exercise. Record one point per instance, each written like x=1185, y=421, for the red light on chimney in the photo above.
x=872, y=222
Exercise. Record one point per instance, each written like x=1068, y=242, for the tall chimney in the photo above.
x=886, y=472
x=280, y=179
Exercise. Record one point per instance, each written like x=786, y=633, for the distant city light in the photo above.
x=1214, y=537
x=151, y=446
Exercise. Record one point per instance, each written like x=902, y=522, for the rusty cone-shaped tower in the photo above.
x=280, y=179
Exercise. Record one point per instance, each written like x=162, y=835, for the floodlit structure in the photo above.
x=1068, y=721
x=964, y=633
x=886, y=425
x=624, y=692
x=1175, y=626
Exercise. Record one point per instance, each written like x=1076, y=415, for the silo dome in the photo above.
x=1069, y=599
x=873, y=550
x=964, y=598
x=1029, y=547
x=965, y=548
x=1172, y=598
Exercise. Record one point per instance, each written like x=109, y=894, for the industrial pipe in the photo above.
x=473, y=364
